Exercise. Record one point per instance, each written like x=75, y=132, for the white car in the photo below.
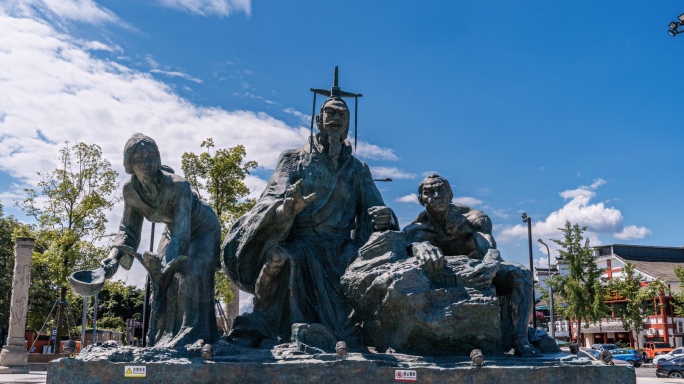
x=677, y=352
x=593, y=356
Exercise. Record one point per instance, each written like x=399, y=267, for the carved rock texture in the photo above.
x=404, y=309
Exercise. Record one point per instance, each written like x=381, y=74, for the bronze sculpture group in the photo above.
x=321, y=248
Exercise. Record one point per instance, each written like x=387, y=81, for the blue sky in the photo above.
x=564, y=110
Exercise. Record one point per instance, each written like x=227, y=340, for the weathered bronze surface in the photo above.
x=443, y=300
x=319, y=207
x=182, y=272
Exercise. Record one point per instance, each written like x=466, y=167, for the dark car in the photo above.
x=604, y=346
x=673, y=368
x=629, y=355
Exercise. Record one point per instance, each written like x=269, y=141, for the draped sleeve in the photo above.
x=130, y=226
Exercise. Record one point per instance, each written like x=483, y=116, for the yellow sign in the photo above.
x=135, y=371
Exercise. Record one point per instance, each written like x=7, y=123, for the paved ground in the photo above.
x=646, y=375
x=31, y=377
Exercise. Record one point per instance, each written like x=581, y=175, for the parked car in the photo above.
x=677, y=352
x=673, y=368
x=629, y=355
x=593, y=356
x=656, y=348
x=604, y=346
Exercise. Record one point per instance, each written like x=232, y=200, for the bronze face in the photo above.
x=436, y=196
x=335, y=118
x=145, y=161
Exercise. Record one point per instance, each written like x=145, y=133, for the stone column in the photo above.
x=14, y=356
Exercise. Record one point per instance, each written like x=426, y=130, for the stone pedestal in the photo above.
x=14, y=356
x=287, y=365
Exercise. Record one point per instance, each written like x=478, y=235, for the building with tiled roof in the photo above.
x=652, y=263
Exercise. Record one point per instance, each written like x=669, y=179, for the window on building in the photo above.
x=619, y=308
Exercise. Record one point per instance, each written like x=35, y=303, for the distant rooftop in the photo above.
x=654, y=261
x=643, y=252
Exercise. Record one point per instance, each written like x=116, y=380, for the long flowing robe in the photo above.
x=182, y=308
x=320, y=242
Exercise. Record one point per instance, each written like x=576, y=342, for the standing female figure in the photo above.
x=182, y=271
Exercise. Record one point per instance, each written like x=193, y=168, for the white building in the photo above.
x=652, y=263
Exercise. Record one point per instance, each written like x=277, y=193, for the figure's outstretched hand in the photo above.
x=381, y=216
x=111, y=263
x=482, y=275
x=110, y=266
x=294, y=201
x=429, y=257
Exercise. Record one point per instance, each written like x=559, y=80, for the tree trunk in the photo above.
x=60, y=308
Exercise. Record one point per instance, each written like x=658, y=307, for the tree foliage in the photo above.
x=219, y=179
x=581, y=288
x=70, y=210
x=678, y=302
x=630, y=286
x=120, y=301
x=220, y=176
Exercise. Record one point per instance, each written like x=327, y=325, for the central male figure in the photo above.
x=319, y=207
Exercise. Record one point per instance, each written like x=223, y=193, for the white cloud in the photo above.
x=373, y=152
x=51, y=84
x=578, y=209
x=177, y=74
x=74, y=10
x=303, y=117
x=500, y=213
x=631, y=232
x=256, y=97
x=391, y=172
x=246, y=302
x=256, y=186
x=364, y=150
x=412, y=198
x=467, y=200
x=53, y=90
x=98, y=46
x=542, y=262
x=210, y=7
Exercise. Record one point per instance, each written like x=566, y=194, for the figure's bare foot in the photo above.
x=524, y=348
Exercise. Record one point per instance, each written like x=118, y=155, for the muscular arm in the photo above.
x=129, y=234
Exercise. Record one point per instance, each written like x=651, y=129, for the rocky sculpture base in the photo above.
x=404, y=309
x=287, y=363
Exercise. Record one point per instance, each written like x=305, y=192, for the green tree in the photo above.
x=70, y=213
x=678, y=302
x=638, y=296
x=221, y=177
x=581, y=288
x=218, y=177
x=119, y=301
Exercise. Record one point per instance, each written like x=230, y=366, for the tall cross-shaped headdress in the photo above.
x=336, y=92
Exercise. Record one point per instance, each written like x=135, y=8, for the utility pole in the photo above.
x=553, y=322
x=528, y=220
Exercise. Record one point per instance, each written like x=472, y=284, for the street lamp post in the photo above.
x=553, y=322
x=528, y=220
x=674, y=26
